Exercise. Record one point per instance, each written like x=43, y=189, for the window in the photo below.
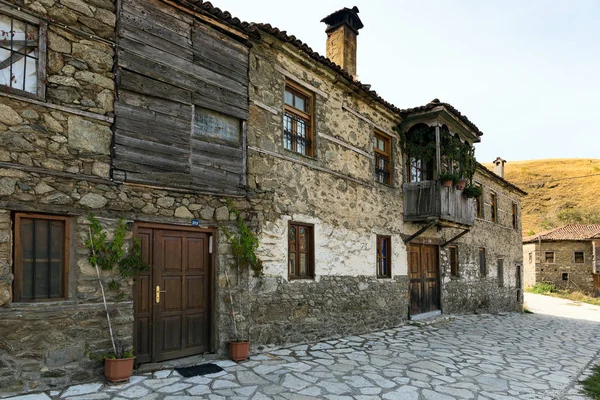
x=384, y=257
x=419, y=171
x=479, y=204
x=41, y=257
x=514, y=215
x=22, y=54
x=565, y=276
x=453, y=261
x=549, y=257
x=579, y=257
x=530, y=258
x=301, y=251
x=382, y=146
x=482, y=266
x=297, y=120
x=500, y=272
x=494, y=206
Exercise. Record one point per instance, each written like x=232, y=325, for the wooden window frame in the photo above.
x=18, y=263
x=500, y=272
x=494, y=206
x=582, y=257
x=482, y=265
x=479, y=208
x=425, y=170
x=546, y=257
x=453, y=251
x=515, y=210
x=42, y=55
x=310, y=269
x=299, y=91
x=380, y=240
x=387, y=154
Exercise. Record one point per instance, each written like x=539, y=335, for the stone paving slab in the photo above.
x=481, y=357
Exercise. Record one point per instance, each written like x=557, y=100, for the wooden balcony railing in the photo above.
x=429, y=199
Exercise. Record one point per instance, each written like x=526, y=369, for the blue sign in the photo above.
x=195, y=222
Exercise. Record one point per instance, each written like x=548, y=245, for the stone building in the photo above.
x=153, y=115
x=567, y=256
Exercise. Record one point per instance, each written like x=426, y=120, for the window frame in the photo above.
x=582, y=257
x=530, y=257
x=380, y=239
x=482, y=265
x=546, y=257
x=453, y=251
x=299, y=91
x=494, y=206
x=515, y=209
x=424, y=171
x=42, y=55
x=18, y=257
x=500, y=272
x=383, y=154
x=311, y=251
x=479, y=206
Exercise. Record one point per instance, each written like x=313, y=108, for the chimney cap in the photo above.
x=499, y=160
x=345, y=16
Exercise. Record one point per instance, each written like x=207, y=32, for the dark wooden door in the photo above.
x=423, y=273
x=173, y=301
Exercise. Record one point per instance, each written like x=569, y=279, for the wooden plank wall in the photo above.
x=171, y=66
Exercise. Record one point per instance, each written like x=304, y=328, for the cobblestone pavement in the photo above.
x=514, y=356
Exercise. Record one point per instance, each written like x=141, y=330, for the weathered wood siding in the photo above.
x=423, y=200
x=173, y=70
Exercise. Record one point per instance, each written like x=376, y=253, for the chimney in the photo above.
x=499, y=167
x=342, y=29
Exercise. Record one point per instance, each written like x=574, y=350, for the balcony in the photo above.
x=427, y=200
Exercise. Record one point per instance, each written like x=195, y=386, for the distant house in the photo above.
x=567, y=256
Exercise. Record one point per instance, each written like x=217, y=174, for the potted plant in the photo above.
x=448, y=179
x=118, y=365
x=462, y=182
x=244, y=244
x=472, y=191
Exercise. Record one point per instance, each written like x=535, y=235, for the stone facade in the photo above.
x=56, y=157
x=564, y=272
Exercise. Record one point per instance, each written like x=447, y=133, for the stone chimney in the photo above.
x=342, y=29
x=499, y=167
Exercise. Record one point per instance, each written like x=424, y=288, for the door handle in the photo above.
x=158, y=292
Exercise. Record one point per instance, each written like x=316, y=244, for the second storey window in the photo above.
x=297, y=120
x=549, y=257
x=41, y=257
x=384, y=257
x=482, y=262
x=479, y=204
x=382, y=146
x=300, y=251
x=579, y=257
x=419, y=170
x=514, y=216
x=494, y=207
x=22, y=54
x=453, y=261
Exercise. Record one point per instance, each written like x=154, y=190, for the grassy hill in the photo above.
x=560, y=191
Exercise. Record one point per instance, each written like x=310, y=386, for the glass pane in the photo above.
x=292, y=262
x=381, y=145
x=27, y=238
x=288, y=129
x=41, y=279
x=18, y=34
x=303, y=264
x=55, y=279
x=303, y=239
x=41, y=239
x=289, y=98
x=292, y=238
x=5, y=31
x=300, y=105
x=57, y=240
x=383, y=266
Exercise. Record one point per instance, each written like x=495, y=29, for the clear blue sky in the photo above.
x=526, y=72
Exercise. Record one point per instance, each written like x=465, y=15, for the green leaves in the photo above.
x=243, y=244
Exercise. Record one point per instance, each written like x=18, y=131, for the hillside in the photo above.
x=560, y=191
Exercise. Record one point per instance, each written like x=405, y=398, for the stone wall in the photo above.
x=579, y=276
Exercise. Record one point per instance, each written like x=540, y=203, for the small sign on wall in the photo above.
x=195, y=222
x=215, y=125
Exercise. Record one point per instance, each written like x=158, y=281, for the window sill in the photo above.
x=301, y=279
x=389, y=185
x=313, y=158
x=384, y=277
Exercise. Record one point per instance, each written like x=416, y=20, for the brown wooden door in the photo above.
x=176, y=323
x=423, y=273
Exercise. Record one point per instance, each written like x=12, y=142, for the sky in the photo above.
x=526, y=72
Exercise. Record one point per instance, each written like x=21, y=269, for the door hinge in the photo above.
x=210, y=244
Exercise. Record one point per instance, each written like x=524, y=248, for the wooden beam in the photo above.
x=456, y=237
x=431, y=223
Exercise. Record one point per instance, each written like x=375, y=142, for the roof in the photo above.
x=436, y=103
x=567, y=232
x=497, y=177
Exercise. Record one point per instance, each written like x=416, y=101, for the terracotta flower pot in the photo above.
x=239, y=351
x=118, y=370
x=447, y=183
x=461, y=184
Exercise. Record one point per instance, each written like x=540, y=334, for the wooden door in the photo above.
x=175, y=322
x=423, y=273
